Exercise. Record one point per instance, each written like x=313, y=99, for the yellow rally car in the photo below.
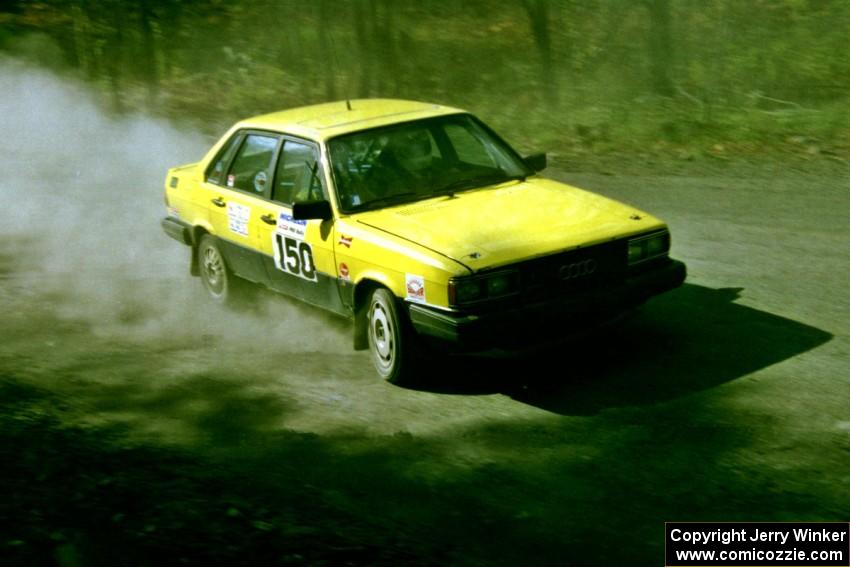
x=417, y=221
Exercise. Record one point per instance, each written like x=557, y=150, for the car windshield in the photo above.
x=418, y=160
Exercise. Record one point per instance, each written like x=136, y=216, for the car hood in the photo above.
x=509, y=222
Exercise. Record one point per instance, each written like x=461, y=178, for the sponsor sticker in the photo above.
x=260, y=181
x=237, y=218
x=415, y=286
x=343, y=272
x=287, y=226
x=345, y=240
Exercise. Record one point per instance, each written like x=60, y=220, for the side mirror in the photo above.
x=536, y=162
x=306, y=210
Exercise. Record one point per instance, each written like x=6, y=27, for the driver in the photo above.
x=404, y=163
x=413, y=150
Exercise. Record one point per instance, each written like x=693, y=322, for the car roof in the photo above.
x=324, y=121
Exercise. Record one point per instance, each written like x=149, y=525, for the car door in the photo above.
x=298, y=254
x=237, y=186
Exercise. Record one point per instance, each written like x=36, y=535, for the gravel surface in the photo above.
x=724, y=400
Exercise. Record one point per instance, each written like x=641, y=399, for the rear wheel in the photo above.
x=215, y=275
x=390, y=342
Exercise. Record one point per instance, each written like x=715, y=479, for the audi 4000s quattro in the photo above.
x=418, y=222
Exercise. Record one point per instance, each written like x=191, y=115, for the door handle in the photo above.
x=268, y=219
x=218, y=202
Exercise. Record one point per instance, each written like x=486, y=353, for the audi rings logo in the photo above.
x=577, y=269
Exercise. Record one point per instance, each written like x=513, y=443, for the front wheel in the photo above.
x=390, y=343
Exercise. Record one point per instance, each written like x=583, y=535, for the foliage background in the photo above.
x=681, y=79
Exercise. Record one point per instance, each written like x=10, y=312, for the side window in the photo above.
x=251, y=168
x=215, y=173
x=468, y=147
x=299, y=174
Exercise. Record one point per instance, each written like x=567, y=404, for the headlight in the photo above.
x=479, y=288
x=649, y=246
x=499, y=285
x=471, y=290
x=635, y=252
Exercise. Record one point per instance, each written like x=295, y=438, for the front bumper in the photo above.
x=526, y=325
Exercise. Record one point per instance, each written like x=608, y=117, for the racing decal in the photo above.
x=415, y=286
x=291, y=253
x=288, y=226
x=344, y=273
x=345, y=240
x=237, y=218
x=294, y=257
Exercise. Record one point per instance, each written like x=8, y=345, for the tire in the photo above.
x=390, y=342
x=215, y=275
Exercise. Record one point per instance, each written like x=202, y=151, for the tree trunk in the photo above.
x=660, y=46
x=150, y=74
x=114, y=57
x=326, y=48
x=538, y=14
x=364, y=50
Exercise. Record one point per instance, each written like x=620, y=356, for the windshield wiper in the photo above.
x=475, y=182
x=386, y=200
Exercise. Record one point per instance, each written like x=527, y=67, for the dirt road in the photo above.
x=728, y=399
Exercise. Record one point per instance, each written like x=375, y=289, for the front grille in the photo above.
x=575, y=270
x=566, y=274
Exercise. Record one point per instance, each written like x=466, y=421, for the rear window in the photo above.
x=215, y=173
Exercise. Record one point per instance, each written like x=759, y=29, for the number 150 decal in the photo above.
x=295, y=257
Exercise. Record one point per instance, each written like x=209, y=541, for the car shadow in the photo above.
x=686, y=341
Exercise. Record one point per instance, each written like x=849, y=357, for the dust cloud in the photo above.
x=82, y=199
